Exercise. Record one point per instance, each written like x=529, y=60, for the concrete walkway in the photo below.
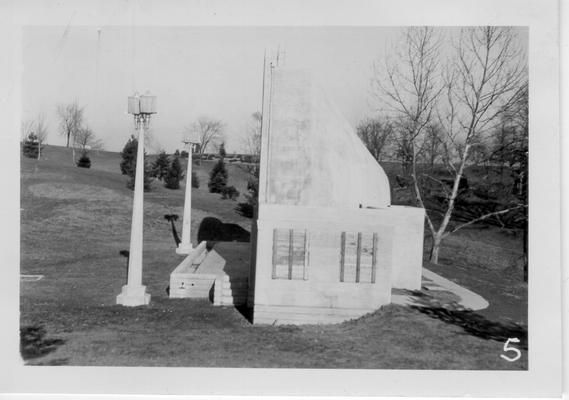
x=434, y=282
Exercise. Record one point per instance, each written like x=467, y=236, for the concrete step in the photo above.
x=228, y=292
x=190, y=280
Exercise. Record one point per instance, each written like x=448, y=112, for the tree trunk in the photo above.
x=434, y=255
x=39, y=150
x=73, y=145
x=406, y=168
x=68, y=135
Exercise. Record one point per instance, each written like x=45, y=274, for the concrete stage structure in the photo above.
x=327, y=243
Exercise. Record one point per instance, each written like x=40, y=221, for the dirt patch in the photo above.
x=75, y=191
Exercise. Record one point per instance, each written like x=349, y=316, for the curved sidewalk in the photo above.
x=434, y=282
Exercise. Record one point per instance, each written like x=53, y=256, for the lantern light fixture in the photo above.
x=142, y=107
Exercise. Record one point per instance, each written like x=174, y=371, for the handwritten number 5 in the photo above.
x=508, y=348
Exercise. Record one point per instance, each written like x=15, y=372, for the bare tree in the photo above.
x=404, y=146
x=27, y=127
x=408, y=87
x=520, y=115
x=484, y=78
x=41, y=132
x=432, y=145
x=207, y=131
x=38, y=128
x=509, y=141
x=376, y=134
x=510, y=147
x=70, y=120
x=479, y=83
x=253, y=148
x=86, y=140
x=253, y=139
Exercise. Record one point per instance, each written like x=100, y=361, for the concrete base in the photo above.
x=185, y=249
x=285, y=315
x=322, y=296
x=132, y=296
x=187, y=282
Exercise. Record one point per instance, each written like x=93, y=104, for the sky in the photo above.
x=193, y=71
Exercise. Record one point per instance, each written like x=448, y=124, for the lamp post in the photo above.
x=185, y=246
x=134, y=293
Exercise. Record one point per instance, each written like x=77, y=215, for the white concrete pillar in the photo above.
x=134, y=293
x=185, y=246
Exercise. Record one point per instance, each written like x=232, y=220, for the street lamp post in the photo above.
x=134, y=293
x=185, y=246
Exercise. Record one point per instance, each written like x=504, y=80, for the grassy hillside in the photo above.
x=75, y=221
x=105, y=165
x=107, y=161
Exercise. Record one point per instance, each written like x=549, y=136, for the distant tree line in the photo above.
x=165, y=168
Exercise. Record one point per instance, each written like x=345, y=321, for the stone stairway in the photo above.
x=228, y=292
x=195, y=275
x=204, y=274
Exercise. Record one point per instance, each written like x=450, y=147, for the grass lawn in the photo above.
x=75, y=221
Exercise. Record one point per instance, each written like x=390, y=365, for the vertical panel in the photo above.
x=290, y=254
x=358, y=257
x=350, y=257
x=281, y=253
x=366, y=257
x=374, y=258
x=298, y=245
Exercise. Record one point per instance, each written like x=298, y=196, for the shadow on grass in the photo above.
x=246, y=312
x=33, y=343
x=472, y=323
x=213, y=230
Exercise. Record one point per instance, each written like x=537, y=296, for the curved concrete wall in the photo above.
x=314, y=156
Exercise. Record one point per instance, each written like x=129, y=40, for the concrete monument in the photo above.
x=328, y=245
